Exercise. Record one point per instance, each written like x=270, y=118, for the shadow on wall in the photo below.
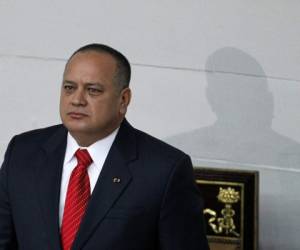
x=238, y=94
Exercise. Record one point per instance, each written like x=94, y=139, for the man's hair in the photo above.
x=123, y=70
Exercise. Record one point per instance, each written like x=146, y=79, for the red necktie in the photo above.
x=77, y=198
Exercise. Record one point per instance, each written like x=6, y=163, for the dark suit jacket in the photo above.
x=155, y=206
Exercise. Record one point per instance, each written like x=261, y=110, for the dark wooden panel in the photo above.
x=231, y=207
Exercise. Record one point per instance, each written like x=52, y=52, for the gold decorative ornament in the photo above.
x=226, y=223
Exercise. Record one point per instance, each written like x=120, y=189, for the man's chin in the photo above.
x=77, y=128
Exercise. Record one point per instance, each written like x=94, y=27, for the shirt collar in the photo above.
x=97, y=150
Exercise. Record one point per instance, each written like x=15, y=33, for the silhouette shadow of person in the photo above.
x=237, y=91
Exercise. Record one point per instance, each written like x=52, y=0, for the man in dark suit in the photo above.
x=95, y=182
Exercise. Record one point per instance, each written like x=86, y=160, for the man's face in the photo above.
x=91, y=105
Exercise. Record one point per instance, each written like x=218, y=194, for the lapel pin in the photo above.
x=116, y=180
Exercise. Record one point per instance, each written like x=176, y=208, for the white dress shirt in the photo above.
x=98, y=152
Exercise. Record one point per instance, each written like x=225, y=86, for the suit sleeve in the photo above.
x=7, y=232
x=181, y=225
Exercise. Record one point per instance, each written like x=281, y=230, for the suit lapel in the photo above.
x=113, y=180
x=49, y=178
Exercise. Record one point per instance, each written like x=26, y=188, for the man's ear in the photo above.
x=125, y=100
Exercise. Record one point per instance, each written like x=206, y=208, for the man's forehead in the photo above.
x=90, y=67
x=92, y=54
x=89, y=60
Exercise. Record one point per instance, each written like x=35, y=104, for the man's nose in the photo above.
x=79, y=98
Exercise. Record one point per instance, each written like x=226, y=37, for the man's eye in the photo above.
x=68, y=88
x=94, y=91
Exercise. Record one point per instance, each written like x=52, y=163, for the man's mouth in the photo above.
x=76, y=115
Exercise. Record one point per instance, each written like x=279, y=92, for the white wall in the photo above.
x=218, y=79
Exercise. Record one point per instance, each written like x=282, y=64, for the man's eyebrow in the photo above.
x=68, y=81
x=94, y=84
x=85, y=84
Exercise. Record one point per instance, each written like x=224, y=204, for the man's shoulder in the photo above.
x=38, y=135
x=158, y=157
x=157, y=147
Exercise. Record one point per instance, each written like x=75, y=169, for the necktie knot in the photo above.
x=83, y=157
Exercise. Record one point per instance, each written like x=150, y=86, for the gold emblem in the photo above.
x=228, y=195
x=224, y=224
